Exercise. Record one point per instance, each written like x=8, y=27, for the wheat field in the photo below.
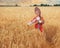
x=15, y=33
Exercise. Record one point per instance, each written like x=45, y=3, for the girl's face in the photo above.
x=37, y=13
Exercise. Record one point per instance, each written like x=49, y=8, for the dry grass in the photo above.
x=14, y=32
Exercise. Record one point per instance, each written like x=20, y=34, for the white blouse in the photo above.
x=37, y=18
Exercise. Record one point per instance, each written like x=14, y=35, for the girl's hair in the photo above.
x=37, y=9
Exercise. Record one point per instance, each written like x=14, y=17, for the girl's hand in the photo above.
x=29, y=23
x=40, y=21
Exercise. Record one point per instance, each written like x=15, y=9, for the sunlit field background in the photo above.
x=15, y=33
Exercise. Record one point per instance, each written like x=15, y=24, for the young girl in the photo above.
x=38, y=20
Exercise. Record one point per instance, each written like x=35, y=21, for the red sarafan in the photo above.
x=39, y=20
x=40, y=26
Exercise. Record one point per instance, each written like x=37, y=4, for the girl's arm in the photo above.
x=32, y=21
